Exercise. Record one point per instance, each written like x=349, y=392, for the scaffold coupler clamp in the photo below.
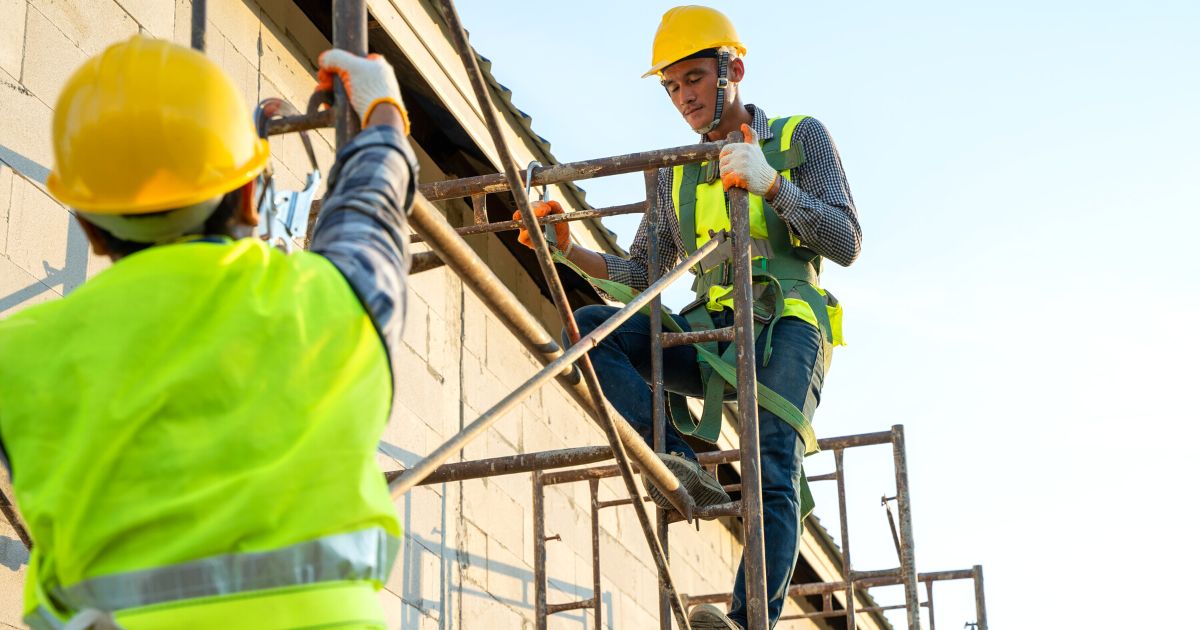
x=285, y=213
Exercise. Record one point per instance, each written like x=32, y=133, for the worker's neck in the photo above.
x=734, y=117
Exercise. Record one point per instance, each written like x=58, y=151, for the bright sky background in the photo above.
x=1027, y=175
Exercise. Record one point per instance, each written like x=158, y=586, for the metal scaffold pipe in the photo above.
x=541, y=249
x=574, y=171
x=199, y=23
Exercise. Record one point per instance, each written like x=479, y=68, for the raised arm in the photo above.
x=362, y=228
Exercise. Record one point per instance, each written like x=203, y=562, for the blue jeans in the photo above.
x=796, y=372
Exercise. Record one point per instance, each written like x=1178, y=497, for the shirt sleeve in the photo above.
x=362, y=228
x=817, y=204
x=635, y=270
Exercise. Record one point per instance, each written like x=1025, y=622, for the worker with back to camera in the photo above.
x=192, y=433
x=801, y=212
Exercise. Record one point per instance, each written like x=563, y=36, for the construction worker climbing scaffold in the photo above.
x=198, y=450
x=801, y=211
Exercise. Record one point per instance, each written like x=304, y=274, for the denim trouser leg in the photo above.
x=622, y=362
x=796, y=372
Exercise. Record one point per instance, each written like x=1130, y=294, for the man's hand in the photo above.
x=744, y=165
x=369, y=81
x=562, y=231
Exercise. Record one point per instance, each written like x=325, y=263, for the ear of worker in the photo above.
x=370, y=81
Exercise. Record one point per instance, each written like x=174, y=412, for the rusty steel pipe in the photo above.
x=980, y=604
x=581, y=215
x=9, y=509
x=322, y=119
x=513, y=464
x=425, y=261
x=574, y=171
x=671, y=340
x=829, y=588
x=658, y=403
x=839, y=467
x=447, y=449
x=598, y=619
x=908, y=563
x=541, y=249
x=754, y=552
x=350, y=35
x=539, y=551
x=199, y=24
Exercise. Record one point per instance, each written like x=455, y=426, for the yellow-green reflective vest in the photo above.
x=200, y=420
x=700, y=205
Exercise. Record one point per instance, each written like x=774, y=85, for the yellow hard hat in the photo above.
x=147, y=126
x=688, y=30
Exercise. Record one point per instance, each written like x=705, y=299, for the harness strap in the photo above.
x=709, y=427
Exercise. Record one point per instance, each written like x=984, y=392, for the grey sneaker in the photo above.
x=701, y=484
x=709, y=617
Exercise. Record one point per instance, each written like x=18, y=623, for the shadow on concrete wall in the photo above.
x=448, y=559
x=13, y=554
x=74, y=271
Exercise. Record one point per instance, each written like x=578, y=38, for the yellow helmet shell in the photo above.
x=687, y=30
x=147, y=126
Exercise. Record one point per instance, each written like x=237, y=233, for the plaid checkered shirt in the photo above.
x=363, y=226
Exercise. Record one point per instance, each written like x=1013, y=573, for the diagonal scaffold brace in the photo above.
x=678, y=497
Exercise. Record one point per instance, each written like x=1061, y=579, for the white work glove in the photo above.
x=369, y=81
x=744, y=165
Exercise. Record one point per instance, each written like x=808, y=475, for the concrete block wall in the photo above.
x=467, y=558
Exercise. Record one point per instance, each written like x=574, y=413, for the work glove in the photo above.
x=562, y=231
x=369, y=81
x=744, y=165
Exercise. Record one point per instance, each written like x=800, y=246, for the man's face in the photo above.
x=692, y=85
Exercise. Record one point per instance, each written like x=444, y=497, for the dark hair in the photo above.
x=219, y=223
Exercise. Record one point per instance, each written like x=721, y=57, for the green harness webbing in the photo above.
x=721, y=366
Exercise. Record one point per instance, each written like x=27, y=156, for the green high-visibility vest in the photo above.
x=198, y=424
x=700, y=206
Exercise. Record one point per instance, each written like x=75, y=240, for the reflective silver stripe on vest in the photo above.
x=42, y=619
x=363, y=555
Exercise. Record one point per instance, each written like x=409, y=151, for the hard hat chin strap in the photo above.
x=722, y=85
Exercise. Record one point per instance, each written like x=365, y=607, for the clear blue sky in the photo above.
x=1028, y=180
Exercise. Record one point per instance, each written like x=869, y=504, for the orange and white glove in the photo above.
x=744, y=165
x=369, y=81
x=541, y=209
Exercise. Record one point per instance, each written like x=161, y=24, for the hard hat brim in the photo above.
x=74, y=199
x=662, y=65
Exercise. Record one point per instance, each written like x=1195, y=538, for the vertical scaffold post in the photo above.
x=754, y=554
x=980, y=605
x=199, y=23
x=539, y=551
x=349, y=34
x=662, y=524
x=594, y=486
x=929, y=603
x=908, y=566
x=847, y=572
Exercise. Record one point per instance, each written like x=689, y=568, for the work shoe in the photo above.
x=701, y=484
x=709, y=617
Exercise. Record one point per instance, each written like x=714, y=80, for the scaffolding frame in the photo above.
x=572, y=368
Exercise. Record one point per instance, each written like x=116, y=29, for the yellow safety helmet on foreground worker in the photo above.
x=148, y=126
